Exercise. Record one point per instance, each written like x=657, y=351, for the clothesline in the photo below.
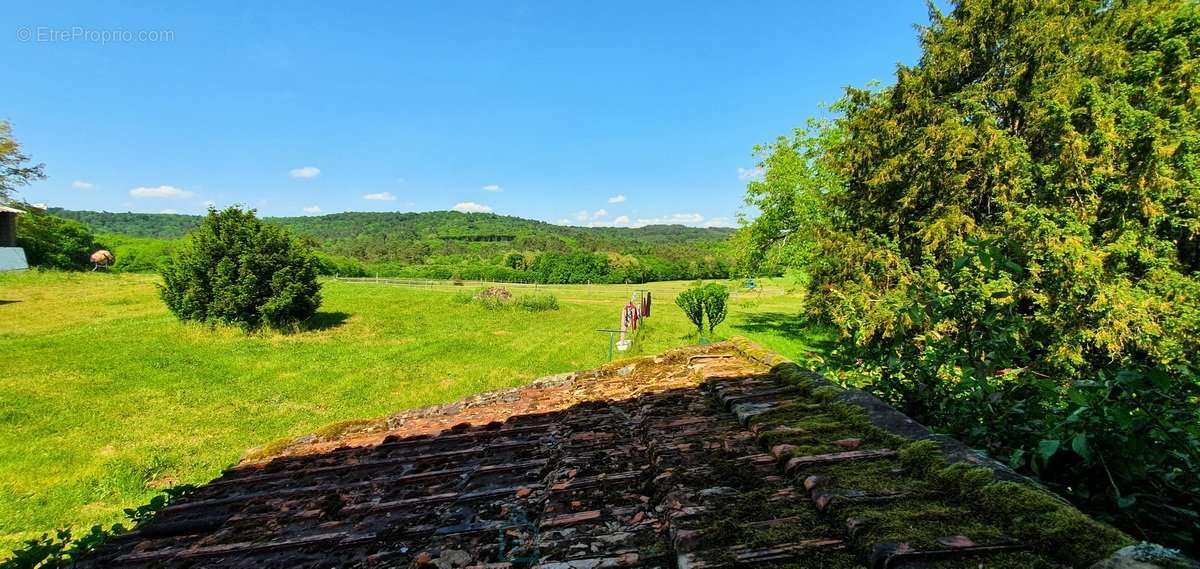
x=633, y=315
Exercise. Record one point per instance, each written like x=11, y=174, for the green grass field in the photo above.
x=105, y=398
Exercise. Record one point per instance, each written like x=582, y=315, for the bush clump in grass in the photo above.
x=691, y=301
x=497, y=298
x=493, y=298
x=716, y=299
x=710, y=299
x=538, y=302
x=235, y=269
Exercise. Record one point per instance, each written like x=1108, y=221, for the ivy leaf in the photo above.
x=1017, y=460
x=1126, y=501
x=1047, y=449
x=1079, y=444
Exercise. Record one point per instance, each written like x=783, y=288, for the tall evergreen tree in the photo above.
x=1009, y=236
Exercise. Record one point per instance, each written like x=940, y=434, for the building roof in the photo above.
x=6, y=209
x=700, y=458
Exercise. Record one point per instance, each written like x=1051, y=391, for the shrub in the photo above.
x=691, y=301
x=64, y=549
x=538, y=302
x=494, y=298
x=1006, y=239
x=235, y=269
x=53, y=242
x=716, y=298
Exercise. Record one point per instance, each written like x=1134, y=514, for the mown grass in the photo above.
x=106, y=398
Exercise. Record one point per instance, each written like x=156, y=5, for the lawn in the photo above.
x=105, y=398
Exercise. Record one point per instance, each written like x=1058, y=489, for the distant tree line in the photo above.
x=446, y=245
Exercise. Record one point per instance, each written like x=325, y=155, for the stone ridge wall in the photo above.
x=883, y=416
x=877, y=412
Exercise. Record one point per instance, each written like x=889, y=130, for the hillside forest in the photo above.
x=448, y=245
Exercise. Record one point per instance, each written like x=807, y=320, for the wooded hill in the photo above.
x=447, y=244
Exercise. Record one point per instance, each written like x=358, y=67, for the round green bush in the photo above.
x=235, y=269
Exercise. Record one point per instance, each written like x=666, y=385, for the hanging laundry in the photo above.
x=631, y=315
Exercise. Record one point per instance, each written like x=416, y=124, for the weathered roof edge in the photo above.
x=883, y=415
x=1140, y=556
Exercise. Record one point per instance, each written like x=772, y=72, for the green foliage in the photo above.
x=571, y=268
x=14, y=168
x=537, y=302
x=704, y=300
x=436, y=245
x=235, y=269
x=335, y=265
x=63, y=549
x=139, y=254
x=691, y=301
x=53, y=242
x=497, y=298
x=716, y=298
x=1008, y=239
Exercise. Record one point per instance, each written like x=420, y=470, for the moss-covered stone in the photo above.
x=919, y=523
x=941, y=499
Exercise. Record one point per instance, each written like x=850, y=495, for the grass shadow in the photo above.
x=782, y=323
x=324, y=321
x=3, y=302
x=817, y=337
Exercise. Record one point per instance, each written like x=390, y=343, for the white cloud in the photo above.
x=746, y=175
x=600, y=213
x=493, y=188
x=621, y=220
x=582, y=215
x=673, y=219
x=168, y=211
x=82, y=185
x=169, y=192
x=471, y=207
x=380, y=197
x=312, y=209
x=619, y=198
x=718, y=222
x=564, y=221
x=305, y=173
x=209, y=203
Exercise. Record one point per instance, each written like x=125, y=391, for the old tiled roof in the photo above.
x=720, y=456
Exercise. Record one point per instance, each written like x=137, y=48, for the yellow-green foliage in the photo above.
x=1008, y=241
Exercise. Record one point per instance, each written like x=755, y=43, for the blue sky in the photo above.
x=564, y=111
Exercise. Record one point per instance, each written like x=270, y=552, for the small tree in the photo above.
x=235, y=269
x=15, y=170
x=54, y=242
x=716, y=299
x=692, y=303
